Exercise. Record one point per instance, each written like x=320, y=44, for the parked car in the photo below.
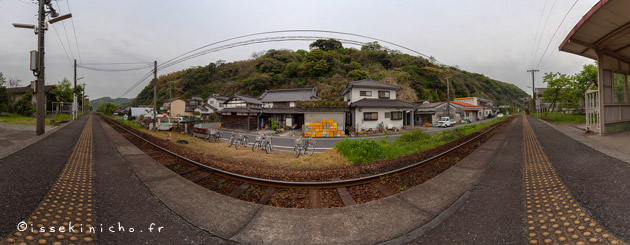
x=500, y=115
x=446, y=122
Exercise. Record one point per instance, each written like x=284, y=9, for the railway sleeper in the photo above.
x=267, y=196
x=239, y=191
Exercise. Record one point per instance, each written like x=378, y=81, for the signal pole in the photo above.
x=154, y=93
x=533, y=91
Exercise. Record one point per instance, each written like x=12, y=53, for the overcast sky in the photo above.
x=493, y=37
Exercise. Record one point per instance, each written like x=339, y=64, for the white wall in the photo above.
x=361, y=124
x=472, y=101
x=355, y=94
x=216, y=103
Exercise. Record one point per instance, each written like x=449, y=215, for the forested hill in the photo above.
x=118, y=101
x=328, y=67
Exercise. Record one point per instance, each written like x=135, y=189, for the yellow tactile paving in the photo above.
x=553, y=215
x=67, y=212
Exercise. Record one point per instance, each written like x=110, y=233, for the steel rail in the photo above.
x=317, y=184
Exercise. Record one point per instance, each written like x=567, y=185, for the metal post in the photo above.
x=154, y=93
x=41, y=79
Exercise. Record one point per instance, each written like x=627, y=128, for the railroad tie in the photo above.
x=345, y=196
x=186, y=170
x=382, y=188
x=313, y=198
x=199, y=177
x=267, y=196
x=409, y=180
x=215, y=185
x=239, y=191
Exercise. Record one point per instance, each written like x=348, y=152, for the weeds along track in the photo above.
x=348, y=187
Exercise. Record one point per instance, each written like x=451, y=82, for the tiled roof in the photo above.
x=286, y=95
x=248, y=99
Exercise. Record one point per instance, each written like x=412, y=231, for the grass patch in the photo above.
x=17, y=119
x=133, y=124
x=368, y=150
x=561, y=117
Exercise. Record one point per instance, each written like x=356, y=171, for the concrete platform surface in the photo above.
x=397, y=218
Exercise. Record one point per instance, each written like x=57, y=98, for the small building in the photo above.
x=487, y=106
x=16, y=93
x=373, y=105
x=280, y=105
x=471, y=112
x=241, y=112
x=215, y=103
x=175, y=107
x=134, y=113
x=324, y=118
x=431, y=113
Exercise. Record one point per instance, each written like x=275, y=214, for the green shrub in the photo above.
x=414, y=135
x=360, y=151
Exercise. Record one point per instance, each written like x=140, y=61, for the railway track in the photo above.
x=318, y=194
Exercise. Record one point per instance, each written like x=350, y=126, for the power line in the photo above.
x=76, y=40
x=115, y=70
x=554, y=33
x=118, y=63
x=63, y=46
x=531, y=56
x=66, y=31
x=544, y=28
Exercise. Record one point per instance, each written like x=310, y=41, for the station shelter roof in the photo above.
x=606, y=27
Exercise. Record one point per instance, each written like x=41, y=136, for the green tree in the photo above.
x=4, y=95
x=558, y=88
x=107, y=108
x=24, y=106
x=326, y=44
x=371, y=46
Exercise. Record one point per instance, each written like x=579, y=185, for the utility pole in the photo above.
x=83, y=99
x=154, y=93
x=448, y=97
x=37, y=57
x=533, y=91
x=74, y=96
x=41, y=79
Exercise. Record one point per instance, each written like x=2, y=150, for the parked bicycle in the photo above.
x=242, y=140
x=262, y=142
x=231, y=140
x=214, y=135
x=304, y=147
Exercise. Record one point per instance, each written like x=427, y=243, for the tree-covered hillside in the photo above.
x=118, y=101
x=328, y=66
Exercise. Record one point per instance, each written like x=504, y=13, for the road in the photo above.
x=323, y=144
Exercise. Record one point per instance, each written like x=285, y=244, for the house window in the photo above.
x=619, y=89
x=467, y=114
x=212, y=102
x=370, y=116
x=366, y=93
x=396, y=115
x=383, y=94
x=387, y=115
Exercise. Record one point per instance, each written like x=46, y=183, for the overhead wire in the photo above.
x=531, y=56
x=555, y=32
x=76, y=40
x=543, y=30
x=63, y=46
x=65, y=31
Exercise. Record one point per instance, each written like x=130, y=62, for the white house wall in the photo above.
x=355, y=94
x=361, y=124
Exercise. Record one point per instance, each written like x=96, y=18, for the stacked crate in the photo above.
x=323, y=129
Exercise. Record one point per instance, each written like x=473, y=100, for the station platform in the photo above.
x=530, y=183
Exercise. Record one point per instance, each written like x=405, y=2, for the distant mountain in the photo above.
x=328, y=67
x=118, y=101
